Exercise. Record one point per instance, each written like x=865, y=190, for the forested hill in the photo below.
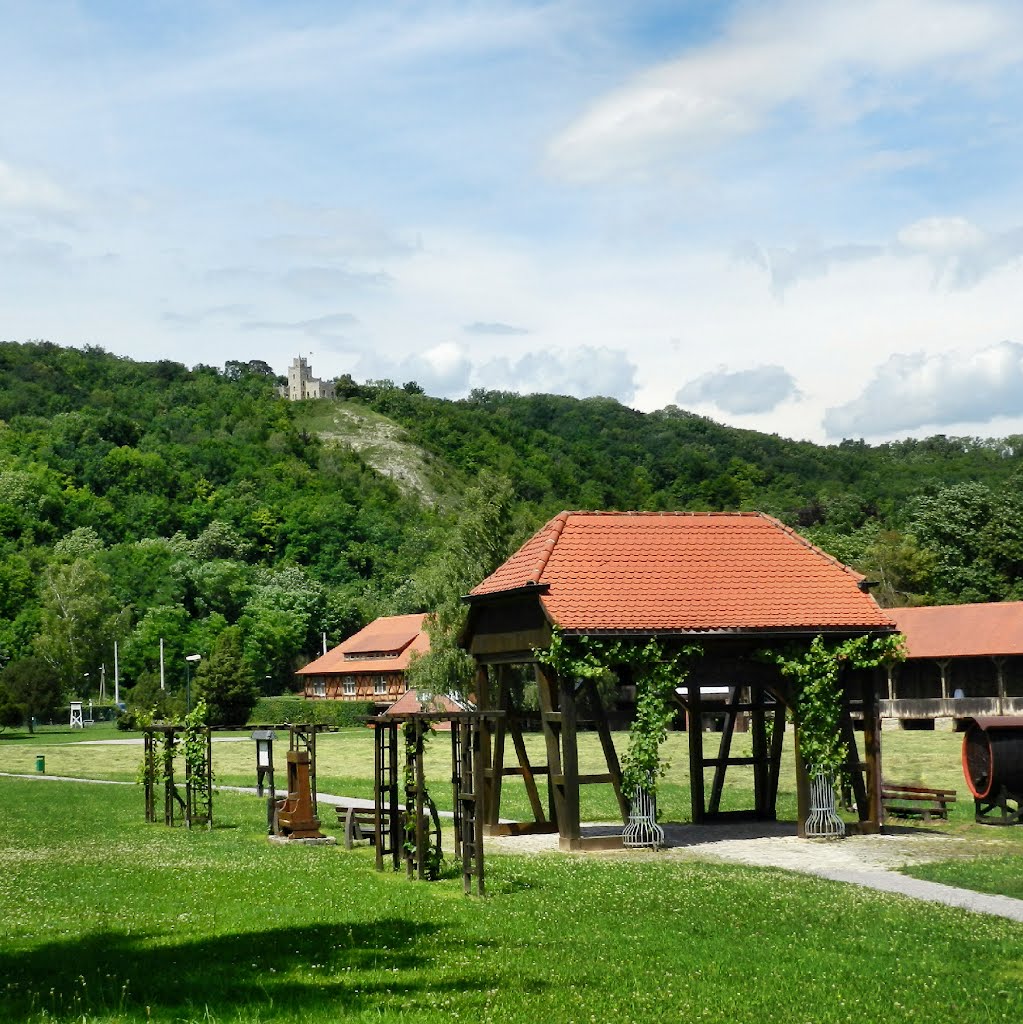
x=148, y=500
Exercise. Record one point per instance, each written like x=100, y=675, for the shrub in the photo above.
x=338, y=713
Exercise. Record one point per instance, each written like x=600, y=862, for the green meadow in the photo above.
x=107, y=919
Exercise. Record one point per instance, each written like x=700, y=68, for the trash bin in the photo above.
x=40, y=763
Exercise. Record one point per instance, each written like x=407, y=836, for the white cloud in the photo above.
x=491, y=327
x=961, y=252
x=323, y=282
x=317, y=327
x=443, y=370
x=196, y=317
x=788, y=266
x=23, y=191
x=920, y=389
x=584, y=372
x=758, y=390
x=941, y=235
x=832, y=62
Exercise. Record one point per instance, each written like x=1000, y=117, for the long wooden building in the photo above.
x=963, y=661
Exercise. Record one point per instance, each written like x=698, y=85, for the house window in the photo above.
x=380, y=685
x=319, y=688
x=348, y=688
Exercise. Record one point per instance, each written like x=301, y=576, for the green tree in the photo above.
x=11, y=714
x=478, y=544
x=224, y=681
x=79, y=619
x=34, y=687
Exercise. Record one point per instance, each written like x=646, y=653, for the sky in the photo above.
x=797, y=217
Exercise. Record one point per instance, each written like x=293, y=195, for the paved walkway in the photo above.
x=868, y=861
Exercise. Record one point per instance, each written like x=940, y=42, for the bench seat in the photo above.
x=925, y=802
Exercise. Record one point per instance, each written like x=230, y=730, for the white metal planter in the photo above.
x=823, y=821
x=642, y=829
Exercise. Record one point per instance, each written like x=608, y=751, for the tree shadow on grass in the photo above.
x=332, y=969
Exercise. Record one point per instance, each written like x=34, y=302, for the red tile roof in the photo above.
x=684, y=572
x=962, y=630
x=385, y=645
x=408, y=704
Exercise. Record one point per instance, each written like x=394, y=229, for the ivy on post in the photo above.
x=198, y=767
x=815, y=673
x=422, y=845
x=656, y=674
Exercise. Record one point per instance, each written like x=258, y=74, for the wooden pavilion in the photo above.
x=735, y=583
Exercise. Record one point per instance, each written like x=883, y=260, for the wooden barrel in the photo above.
x=993, y=756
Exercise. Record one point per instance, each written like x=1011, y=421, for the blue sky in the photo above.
x=797, y=217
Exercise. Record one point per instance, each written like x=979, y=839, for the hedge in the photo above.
x=279, y=710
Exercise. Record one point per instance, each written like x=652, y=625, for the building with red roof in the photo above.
x=371, y=665
x=736, y=583
x=962, y=661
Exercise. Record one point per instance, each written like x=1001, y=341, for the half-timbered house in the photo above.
x=371, y=665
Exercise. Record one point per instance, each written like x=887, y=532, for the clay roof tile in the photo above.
x=682, y=571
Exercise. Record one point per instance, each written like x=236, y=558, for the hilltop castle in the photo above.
x=302, y=384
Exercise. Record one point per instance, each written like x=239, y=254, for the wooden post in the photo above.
x=774, y=763
x=696, y=754
x=476, y=838
x=496, y=773
x=872, y=756
x=570, y=825
x=379, y=783
x=724, y=751
x=1000, y=679
x=943, y=665
x=802, y=791
x=550, y=719
x=458, y=784
x=758, y=724
x=397, y=839
x=610, y=754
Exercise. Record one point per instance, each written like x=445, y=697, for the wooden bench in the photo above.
x=916, y=801
x=359, y=823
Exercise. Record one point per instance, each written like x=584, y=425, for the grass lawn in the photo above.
x=107, y=919
x=1002, y=876
x=345, y=762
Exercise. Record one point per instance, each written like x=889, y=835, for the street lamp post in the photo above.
x=189, y=658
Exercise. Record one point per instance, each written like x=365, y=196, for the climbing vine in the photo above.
x=815, y=672
x=432, y=855
x=196, y=753
x=656, y=675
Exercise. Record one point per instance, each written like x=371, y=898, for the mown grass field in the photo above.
x=345, y=759
x=108, y=920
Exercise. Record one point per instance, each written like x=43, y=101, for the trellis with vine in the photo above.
x=162, y=745
x=656, y=673
x=429, y=860
x=198, y=766
x=815, y=672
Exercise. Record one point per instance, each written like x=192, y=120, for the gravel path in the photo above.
x=869, y=861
